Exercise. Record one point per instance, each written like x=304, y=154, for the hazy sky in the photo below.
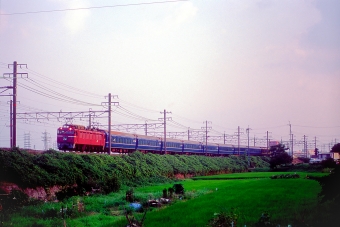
x=257, y=63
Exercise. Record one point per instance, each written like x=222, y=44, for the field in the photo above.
x=288, y=201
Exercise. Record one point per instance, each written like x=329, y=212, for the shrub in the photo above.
x=264, y=221
x=224, y=218
x=179, y=189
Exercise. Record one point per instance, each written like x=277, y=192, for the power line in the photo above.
x=88, y=8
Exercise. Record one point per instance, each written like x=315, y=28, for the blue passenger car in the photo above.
x=210, y=149
x=148, y=143
x=173, y=146
x=192, y=147
x=121, y=142
x=226, y=149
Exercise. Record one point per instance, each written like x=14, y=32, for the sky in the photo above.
x=270, y=66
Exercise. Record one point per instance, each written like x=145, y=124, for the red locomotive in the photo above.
x=80, y=138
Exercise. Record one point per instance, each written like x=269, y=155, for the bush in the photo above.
x=285, y=176
x=224, y=218
x=179, y=189
x=328, y=163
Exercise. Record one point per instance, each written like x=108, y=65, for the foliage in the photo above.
x=328, y=163
x=279, y=156
x=305, y=160
x=178, y=189
x=285, y=176
x=15, y=199
x=224, y=219
x=264, y=221
x=277, y=149
x=330, y=186
x=250, y=196
x=109, y=172
x=336, y=148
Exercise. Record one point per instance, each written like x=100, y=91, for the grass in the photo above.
x=281, y=198
x=288, y=201
x=256, y=175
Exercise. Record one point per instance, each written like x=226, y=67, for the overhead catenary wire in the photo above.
x=63, y=86
x=65, y=99
x=91, y=7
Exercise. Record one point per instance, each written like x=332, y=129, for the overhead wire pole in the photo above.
x=290, y=137
x=305, y=145
x=109, y=120
x=248, y=145
x=11, y=122
x=238, y=139
x=293, y=145
x=224, y=138
x=14, y=103
x=165, y=118
x=267, y=133
x=206, y=134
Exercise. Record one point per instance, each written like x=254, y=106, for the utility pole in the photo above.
x=315, y=143
x=224, y=138
x=206, y=134
x=109, y=120
x=188, y=134
x=238, y=138
x=14, y=103
x=290, y=137
x=11, y=122
x=248, y=145
x=90, y=116
x=165, y=118
x=304, y=145
x=267, y=133
x=293, y=145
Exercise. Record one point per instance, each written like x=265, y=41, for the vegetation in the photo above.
x=81, y=173
x=249, y=198
x=336, y=148
x=330, y=199
x=279, y=156
x=289, y=201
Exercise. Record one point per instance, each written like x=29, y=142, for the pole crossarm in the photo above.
x=59, y=115
x=23, y=75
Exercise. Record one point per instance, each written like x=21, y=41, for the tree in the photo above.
x=279, y=156
x=316, y=152
x=277, y=150
x=336, y=148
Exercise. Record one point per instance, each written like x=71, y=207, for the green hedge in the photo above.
x=92, y=170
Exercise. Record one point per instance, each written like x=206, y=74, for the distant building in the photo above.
x=324, y=156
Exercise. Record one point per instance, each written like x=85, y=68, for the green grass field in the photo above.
x=288, y=201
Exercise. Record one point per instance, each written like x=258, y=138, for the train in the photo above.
x=71, y=137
